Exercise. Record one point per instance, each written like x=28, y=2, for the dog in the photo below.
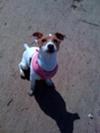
x=41, y=60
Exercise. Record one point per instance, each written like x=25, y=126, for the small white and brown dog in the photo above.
x=41, y=59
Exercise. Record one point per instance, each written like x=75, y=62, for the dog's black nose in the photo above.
x=51, y=47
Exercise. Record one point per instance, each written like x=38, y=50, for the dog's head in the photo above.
x=49, y=43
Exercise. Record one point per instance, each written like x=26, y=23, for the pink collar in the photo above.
x=40, y=71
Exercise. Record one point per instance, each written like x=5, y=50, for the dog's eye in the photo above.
x=55, y=41
x=44, y=40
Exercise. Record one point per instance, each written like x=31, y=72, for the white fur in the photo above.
x=46, y=60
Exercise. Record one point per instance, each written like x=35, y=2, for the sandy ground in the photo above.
x=65, y=107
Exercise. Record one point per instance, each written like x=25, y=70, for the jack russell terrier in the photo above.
x=41, y=60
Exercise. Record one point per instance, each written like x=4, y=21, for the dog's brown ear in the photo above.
x=38, y=35
x=60, y=36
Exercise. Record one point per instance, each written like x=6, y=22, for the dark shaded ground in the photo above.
x=52, y=103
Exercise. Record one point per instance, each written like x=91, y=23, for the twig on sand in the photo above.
x=90, y=23
x=9, y=102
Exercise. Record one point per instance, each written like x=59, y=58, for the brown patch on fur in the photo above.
x=37, y=35
x=42, y=40
x=60, y=36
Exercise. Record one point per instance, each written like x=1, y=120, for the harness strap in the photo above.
x=44, y=74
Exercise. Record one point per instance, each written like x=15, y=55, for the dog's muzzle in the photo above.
x=50, y=48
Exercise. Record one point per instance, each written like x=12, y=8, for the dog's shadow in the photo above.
x=51, y=102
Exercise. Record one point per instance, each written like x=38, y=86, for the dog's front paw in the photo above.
x=22, y=75
x=31, y=93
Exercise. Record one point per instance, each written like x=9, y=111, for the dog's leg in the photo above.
x=23, y=64
x=33, y=78
x=22, y=67
x=31, y=91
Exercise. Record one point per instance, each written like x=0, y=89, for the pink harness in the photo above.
x=40, y=71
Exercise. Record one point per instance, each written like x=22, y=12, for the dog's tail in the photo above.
x=26, y=46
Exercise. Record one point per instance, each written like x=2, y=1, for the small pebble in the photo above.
x=90, y=115
x=5, y=23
